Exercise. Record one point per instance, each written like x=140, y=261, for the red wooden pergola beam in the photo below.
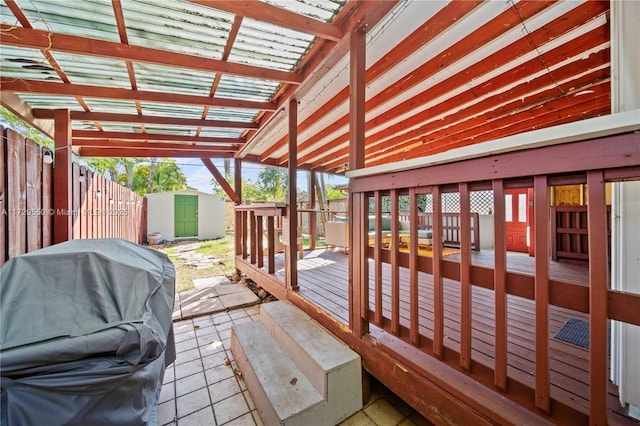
x=220, y=179
x=151, y=153
x=92, y=134
x=110, y=143
x=37, y=39
x=47, y=114
x=51, y=88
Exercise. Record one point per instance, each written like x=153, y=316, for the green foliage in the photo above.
x=158, y=177
x=273, y=183
x=250, y=190
x=136, y=174
x=333, y=193
x=10, y=120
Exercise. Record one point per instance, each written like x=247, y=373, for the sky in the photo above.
x=199, y=177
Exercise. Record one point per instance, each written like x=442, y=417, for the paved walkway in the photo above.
x=203, y=387
x=212, y=295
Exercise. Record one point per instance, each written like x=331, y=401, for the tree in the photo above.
x=166, y=176
x=333, y=193
x=273, y=183
x=250, y=190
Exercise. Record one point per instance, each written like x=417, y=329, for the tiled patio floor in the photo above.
x=201, y=387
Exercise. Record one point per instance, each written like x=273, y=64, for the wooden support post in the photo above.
x=357, y=68
x=313, y=216
x=292, y=242
x=598, y=292
x=438, y=289
x=358, y=272
x=465, y=277
x=62, y=189
x=414, y=325
x=500, y=286
x=395, y=268
x=237, y=180
x=541, y=249
x=378, y=260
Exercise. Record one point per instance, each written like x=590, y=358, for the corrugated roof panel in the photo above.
x=94, y=71
x=220, y=132
x=169, y=130
x=28, y=64
x=225, y=114
x=166, y=110
x=177, y=26
x=269, y=46
x=114, y=106
x=323, y=10
x=189, y=82
x=51, y=102
x=236, y=87
x=87, y=18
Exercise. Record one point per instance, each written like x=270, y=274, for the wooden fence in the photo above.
x=100, y=208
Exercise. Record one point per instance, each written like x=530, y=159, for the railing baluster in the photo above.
x=252, y=224
x=438, y=291
x=465, y=277
x=541, y=232
x=245, y=233
x=500, y=287
x=259, y=241
x=597, y=215
x=271, y=245
x=414, y=330
x=378, y=259
x=395, y=267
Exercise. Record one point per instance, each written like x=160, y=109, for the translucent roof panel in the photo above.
x=322, y=10
x=87, y=18
x=236, y=87
x=225, y=114
x=166, y=110
x=114, y=106
x=94, y=71
x=28, y=64
x=51, y=102
x=269, y=46
x=177, y=26
x=221, y=132
x=189, y=82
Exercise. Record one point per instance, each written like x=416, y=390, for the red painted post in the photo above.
x=62, y=189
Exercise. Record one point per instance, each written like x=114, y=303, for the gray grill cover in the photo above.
x=85, y=334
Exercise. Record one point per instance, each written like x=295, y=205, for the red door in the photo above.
x=516, y=217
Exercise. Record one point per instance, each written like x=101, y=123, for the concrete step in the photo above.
x=281, y=392
x=331, y=366
x=296, y=371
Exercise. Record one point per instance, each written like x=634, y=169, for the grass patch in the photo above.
x=221, y=250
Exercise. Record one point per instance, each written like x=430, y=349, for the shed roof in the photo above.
x=212, y=78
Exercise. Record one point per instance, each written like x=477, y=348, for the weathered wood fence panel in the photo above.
x=100, y=208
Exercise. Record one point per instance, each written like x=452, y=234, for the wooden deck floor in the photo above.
x=323, y=280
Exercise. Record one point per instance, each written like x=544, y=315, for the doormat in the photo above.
x=574, y=331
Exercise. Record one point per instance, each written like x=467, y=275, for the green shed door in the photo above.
x=186, y=215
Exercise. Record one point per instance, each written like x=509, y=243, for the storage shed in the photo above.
x=185, y=214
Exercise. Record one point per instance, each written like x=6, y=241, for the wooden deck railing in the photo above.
x=594, y=163
x=451, y=229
